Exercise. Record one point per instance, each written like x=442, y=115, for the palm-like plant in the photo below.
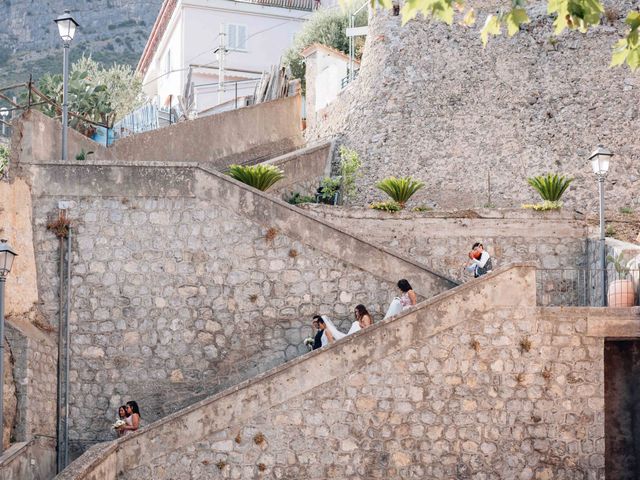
x=261, y=177
x=400, y=189
x=550, y=186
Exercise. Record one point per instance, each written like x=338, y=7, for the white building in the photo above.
x=187, y=33
x=327, y=74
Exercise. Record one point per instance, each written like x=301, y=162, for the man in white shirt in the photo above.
x=479, y=260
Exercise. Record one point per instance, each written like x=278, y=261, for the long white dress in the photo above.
x=337, y=334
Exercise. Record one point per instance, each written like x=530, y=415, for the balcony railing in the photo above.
x=582, y=287
x=306, y=5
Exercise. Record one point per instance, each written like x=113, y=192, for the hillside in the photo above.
x=110, y=30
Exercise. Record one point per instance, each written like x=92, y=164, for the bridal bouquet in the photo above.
x=309, y=342
x=119, y=423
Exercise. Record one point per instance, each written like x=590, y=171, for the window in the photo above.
x=236, y=37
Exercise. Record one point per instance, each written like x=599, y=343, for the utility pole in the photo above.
x=221, y=52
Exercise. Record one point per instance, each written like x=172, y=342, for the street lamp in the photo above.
x=67, y=29
x=600, y=164
x=6, y=261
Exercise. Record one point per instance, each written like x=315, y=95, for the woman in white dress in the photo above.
x=331, y=332
x=407, y=300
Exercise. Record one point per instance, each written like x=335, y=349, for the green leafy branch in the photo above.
x=627, y=49
x=569, y=14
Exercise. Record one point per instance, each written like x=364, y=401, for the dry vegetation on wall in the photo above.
x=622, y=226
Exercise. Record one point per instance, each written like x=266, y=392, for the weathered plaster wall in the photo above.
x=442, y=240
x=15, y=226
x=33, y=460
x=431, y=102
x=185, y=282
x=476, y=382
x=29, y=358
x=303, y=170
x=259, y=132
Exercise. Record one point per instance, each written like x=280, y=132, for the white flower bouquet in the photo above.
x=309, y=342
x=119, y=423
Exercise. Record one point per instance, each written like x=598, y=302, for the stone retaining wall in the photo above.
x=475, y=122
x=185, y=282
x=476, y=382
x=441, y=240
x=248, y=134
x=303, y=169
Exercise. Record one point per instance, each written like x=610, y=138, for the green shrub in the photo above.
x=4, y=160
x=329, y=186
x=388, y=206
x=83, y=155
x=626, y=210
x=326, y=26
x=297, y=198
x=400, y=189
x=349, y=165
x=619, y=262
x=261, y=176
x=550, y=186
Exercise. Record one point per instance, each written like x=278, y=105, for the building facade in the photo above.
x=216, y=50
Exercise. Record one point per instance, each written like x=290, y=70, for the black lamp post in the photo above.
x=67, y=29
x=600, y=164
x=6, y=261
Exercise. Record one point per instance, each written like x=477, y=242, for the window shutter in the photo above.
x=242, y=37
x=232, y=37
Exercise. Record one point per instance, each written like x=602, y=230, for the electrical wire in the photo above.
x=231, y=51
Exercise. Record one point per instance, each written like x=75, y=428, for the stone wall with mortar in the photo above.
x=442, y=240
x=35, y=359
x=185, y=282
x=474, y=383
x=431, y=102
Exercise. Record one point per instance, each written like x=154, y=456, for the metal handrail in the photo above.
x=581, y=287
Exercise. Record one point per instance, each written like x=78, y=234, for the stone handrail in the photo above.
x=512, y=286
x=187, y=179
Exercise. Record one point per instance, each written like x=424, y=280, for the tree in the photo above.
x=97, y=94
x=326, y=26
x=570, y=14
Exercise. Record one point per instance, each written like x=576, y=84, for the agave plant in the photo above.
x=400, y=189
x=550, y=186
x=261, y=177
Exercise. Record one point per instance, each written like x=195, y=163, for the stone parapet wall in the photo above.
x=475, y=122
x=248, y=134
x=474, y=382
x=185, y=282
x=304, y=169
x=33, y=460
x=441, y=240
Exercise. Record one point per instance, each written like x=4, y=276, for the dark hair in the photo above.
x=317, y=318
x=404, y=285
x=361, y=310
x=477, y=244
x=124, y=407
x=134, y=407
x=320, y=320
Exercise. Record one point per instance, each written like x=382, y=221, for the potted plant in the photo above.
x=621, y=292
